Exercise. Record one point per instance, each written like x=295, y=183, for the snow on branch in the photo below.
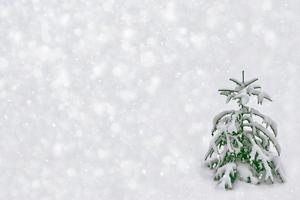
x=261, y=95
x=278, y=168
x=266, y=119
x=218, y=117
x=245, y=174
x=226, y=92
x=213, y=145
x=225, y=174
x=255, y=125
x=213, y=142
x=262, y=156
x=223, y=138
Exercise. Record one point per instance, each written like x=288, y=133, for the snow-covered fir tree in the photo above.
x=244, y=144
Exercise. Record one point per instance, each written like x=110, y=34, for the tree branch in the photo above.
x=235, y=81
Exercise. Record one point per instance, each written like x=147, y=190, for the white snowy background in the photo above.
x=114, y=99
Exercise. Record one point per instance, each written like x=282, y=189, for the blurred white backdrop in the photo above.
x=111, y=99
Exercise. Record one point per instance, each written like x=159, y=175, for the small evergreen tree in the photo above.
x=244, y=140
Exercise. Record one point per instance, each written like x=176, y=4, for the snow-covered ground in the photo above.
x=114, y=99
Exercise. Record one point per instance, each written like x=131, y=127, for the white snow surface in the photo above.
x=112, y=100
